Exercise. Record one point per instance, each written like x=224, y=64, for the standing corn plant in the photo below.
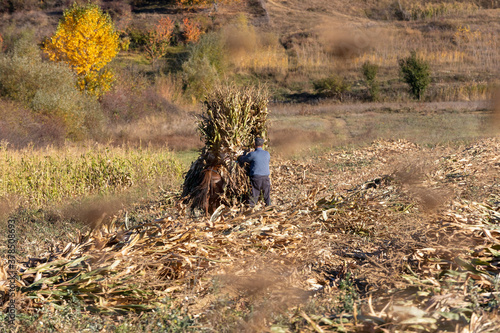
x=231, y=120
x=86, y=40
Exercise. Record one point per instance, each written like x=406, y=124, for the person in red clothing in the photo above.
x=259, y=172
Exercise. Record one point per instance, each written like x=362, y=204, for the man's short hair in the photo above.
x=259, y=142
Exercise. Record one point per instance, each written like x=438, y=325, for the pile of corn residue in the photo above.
x=414, y=232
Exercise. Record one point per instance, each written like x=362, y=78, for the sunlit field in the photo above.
x=385, y=189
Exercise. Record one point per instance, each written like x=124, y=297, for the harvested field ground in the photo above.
x=390, y=237
x=386, y=214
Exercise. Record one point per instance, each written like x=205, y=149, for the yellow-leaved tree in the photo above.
x=86, y=40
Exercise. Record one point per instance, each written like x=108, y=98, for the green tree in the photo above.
x=86, y=40
x=416, y=73
x=370, y=72
x=206, y=64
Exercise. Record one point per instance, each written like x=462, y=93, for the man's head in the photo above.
x=259, y=142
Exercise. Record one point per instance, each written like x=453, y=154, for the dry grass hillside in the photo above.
x=304, y=51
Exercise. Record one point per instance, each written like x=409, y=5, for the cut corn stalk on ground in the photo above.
x=370, y=231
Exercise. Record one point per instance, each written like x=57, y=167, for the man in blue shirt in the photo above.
x=258, y=172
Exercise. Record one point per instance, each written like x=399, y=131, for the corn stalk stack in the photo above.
x=231, y=119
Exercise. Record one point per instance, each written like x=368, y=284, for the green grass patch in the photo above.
x=186, y=157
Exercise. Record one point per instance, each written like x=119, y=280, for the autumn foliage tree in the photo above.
x=86, y=40
x=159, y=39
x=192, y=31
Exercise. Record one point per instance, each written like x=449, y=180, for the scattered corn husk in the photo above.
x=427, y=270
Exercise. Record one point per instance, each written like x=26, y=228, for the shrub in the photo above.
x=48, y=89
x=133, y=98
x=205, y=66
x=138, y=38
x=20, y=127
x=332, y=86
x=20, y=42
x=416, y=73
x=370, y=72
x=192, y=30
x=159, y=39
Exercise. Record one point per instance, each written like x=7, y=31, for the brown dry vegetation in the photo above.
x=288, y=45
x=304, y=41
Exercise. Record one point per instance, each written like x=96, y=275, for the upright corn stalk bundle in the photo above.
x=231, y=120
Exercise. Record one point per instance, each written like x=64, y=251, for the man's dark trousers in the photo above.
x=260, y=183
